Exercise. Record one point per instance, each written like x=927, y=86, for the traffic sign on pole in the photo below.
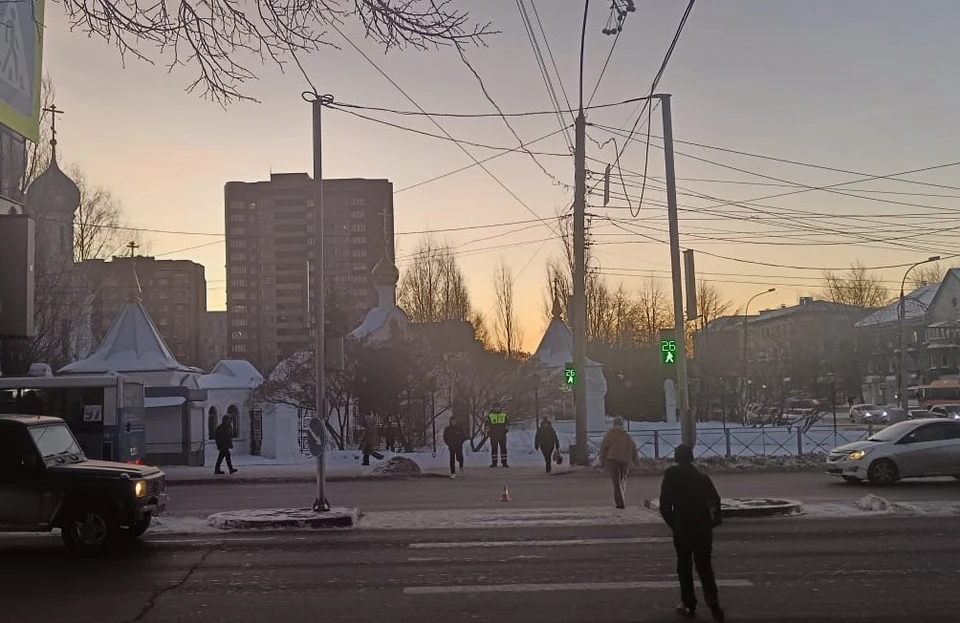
x=315, y=436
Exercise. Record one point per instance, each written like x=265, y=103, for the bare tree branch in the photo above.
x=433, y=288
x=507, y=327
x=222, y=40
x=858, y=286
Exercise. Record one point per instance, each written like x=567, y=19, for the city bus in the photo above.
x=106, y=413
x=939, y=392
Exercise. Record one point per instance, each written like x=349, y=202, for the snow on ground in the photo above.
x=872, y=505
x=505, y=518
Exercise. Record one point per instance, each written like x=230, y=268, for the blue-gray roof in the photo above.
x=915, y=305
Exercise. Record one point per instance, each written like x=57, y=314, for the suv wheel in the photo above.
x=89, y=530
x=137, y=529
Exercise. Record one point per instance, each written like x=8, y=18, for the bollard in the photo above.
x=726, y=434
x=656, y=444
x=799, y=441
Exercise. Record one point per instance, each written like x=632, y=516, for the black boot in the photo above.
x=686, y=612
x=717, y=612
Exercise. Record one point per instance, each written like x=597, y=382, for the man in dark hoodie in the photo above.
x=454, y=437
x=690, y=505
x=546, y=442
x=224, y=438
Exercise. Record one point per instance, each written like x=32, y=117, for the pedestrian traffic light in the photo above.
x=570, y=375
x=668, y=352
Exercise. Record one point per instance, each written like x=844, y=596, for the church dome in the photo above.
x=53, y=192
x=385, y=273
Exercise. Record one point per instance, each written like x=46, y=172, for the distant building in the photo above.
x=931, y=336
x=214, y=339
x=174, y=292
x=272, y=233
x=792, y=349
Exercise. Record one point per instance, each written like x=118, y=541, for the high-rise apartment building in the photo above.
x=272, y=233
x=174, y=292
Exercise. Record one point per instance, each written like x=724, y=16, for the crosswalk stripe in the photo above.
x=549, y=543
x=537, y=588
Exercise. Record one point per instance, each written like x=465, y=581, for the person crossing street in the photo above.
x=618, y=452
x=547, y=442
x=690, y=505
x=497, y=432
x=454, y=437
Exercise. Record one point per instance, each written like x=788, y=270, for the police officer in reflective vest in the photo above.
x=497, y=431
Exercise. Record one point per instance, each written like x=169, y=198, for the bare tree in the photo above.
x=507, y=327
x=927, y=274
x=653, y=310
x=857, y=286
x=221, y=39
x=559, y=288
x=98, y=226
x=433, y=288
x=710, y=306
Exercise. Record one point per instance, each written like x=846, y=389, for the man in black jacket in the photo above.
x=454, y=437
x=690, y=505
x=224, y=439
x=546, y=442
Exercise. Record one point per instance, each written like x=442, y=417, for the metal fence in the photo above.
x=747, y=441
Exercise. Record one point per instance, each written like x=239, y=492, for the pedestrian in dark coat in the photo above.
x=546, y=442
x=454, y=437
x=224, y=438
x=690, y=505
x=371, y=439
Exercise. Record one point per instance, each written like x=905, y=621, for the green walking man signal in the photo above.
x=570, y=375
x=668, y=352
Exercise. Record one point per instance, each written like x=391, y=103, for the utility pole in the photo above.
x=688, y=426
x=319, y=356
x=580, y=267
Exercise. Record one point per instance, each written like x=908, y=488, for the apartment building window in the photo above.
x=239, y=309
x=311, y=242
x=162, y=322
x=311, y=229
x=268, y=280
x=236, y=205
x=238, y=217
x=238, y=270
x=358, y=214
x=239, y=294
x=239, y=322
x=238, y=257
x=181, y=279
x=359, y=240
x=238, y=348
x=358, y=226
x=237, y=243
x=357, y=201
x=238, y=231
x=359, y=253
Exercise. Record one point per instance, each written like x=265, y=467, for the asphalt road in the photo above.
x=902, y=569
x=532, y=491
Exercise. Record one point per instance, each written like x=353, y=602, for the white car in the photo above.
x=868, y=413
x=911, y=449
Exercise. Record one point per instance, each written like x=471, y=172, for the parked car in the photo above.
x=46, y=482
x=911, y=449
x=919, y=414
x=951, y=412
x=868, y=413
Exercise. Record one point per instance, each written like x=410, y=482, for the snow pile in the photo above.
x=398, y=465
x=172, y=524
x=871, y=503
x=733, y=464
x=283, y=518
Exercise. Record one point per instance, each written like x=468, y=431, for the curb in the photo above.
x=212, y=480
x=748, y=507
x=285, y=519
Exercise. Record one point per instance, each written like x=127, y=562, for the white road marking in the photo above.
x=215, y=539
x=537, y=588
x=460, y=560
x=552, y=543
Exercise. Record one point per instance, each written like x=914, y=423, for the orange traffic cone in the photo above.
x=505, y=496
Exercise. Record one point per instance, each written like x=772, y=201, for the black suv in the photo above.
x=46, y=482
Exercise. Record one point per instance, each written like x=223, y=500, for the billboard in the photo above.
x=21, y=51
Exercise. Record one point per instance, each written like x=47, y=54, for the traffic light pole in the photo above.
x=688, y=425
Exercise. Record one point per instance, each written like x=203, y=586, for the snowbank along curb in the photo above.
x=173, y=481
x=285, y=519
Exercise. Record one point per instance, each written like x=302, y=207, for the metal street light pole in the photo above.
x=319, y=356
x=743, y=362
x=902, y=399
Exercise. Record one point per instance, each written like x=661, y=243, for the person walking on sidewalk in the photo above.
x=454, y=437
x=617, y=453
x=497, y=431
x=371, y=437
x=690, y=505
x=547, y=442
x=224, y=438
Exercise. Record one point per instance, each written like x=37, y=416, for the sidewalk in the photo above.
x=182, y=475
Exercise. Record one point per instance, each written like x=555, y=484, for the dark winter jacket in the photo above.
x=371, y=437
x=497, y=425
x=453, y=436
x=689, y=502
x=546, y=439
x=224, y=437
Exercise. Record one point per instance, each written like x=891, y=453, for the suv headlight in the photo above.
x=140, y=488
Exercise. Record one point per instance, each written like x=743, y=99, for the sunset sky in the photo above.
x=867, y=86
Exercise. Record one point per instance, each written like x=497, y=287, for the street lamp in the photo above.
x=901, y=312
x=746, y=309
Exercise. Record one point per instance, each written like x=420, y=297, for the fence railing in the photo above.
x=746, y=441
